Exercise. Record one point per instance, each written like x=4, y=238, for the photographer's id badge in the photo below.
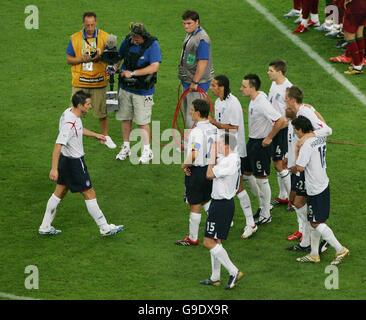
x=191, y=58
x=88, y=66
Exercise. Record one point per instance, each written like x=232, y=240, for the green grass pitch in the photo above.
x=142, y=261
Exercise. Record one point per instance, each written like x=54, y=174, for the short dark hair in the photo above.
x=79, y=97
x=190, y=14
x=302, y=123
x=223, y=81
x=296, y=93
x=89, y=14
x=229, y=139
x=202, y=106
x=279, y=65
x=254, y=81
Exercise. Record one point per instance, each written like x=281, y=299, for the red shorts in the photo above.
x=353, y=21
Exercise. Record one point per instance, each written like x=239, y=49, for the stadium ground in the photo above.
x=142, y=262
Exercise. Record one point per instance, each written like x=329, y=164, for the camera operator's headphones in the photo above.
x=137, y=29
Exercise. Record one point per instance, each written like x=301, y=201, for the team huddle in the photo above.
x=219, y=161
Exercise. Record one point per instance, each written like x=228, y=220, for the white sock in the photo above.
x=246, y=207
x=314, y=240
x=206, y=206
x=305, y=234
x=303, y=213
x=299, y=220
x=265, y=193
x=358, y=67
x=127, y=144
x=251, y=183
x=50, y=212
x=314, y=17
x=220, y=253
x=96, y=213
x=194, y=225
x=304, y=22
x=284, y=181
x=216, y=268
x=329, y=236
x=146, y=146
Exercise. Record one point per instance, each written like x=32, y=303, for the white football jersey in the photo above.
x=291, y=141
x=261, y=116
x=70, y=135
x=229, y=111
x=227, y=177
x=277, y=95
x=320, y=129
x=312, y=158
x=201, y=138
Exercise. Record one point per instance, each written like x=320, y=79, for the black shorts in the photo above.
x=319, y=206
x=300, y=184
x=244, y=166
x=73, y=173
x=198, y=187
x=258, y=160
x=220, y=215
x=293, y=182
x=280, y=145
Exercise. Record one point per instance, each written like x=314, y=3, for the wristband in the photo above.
x=195, y=82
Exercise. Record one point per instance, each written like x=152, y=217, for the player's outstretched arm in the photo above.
x=93, y=134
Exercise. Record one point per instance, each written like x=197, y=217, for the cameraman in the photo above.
x=87, y=69
x=141, y=57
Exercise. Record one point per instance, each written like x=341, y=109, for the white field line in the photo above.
x=14, y=297
x=309, y=51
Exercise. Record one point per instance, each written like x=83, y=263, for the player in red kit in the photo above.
x=309, y=9
x=353, y=25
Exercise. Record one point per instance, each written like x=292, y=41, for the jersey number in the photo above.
x=238, y=180
x=210, y=142
x=210, y=226
x=322, y=151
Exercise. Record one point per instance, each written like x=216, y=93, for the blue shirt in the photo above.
x=151, y=55
x=203, y=53
x=70, y=49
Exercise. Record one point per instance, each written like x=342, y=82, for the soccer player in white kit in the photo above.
x=69, y=170
x=225, y=172
x=264, y=123
x=198, y=187
x=295, y=108
x=229, y=117
x=277, y=94
x=310, y=157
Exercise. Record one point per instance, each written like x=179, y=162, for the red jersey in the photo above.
x=356, y=7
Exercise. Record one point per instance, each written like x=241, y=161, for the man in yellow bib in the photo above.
x=88, y=71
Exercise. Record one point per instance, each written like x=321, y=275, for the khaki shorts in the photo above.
x=187, y=104
x=134, y=107
x=98, y=97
